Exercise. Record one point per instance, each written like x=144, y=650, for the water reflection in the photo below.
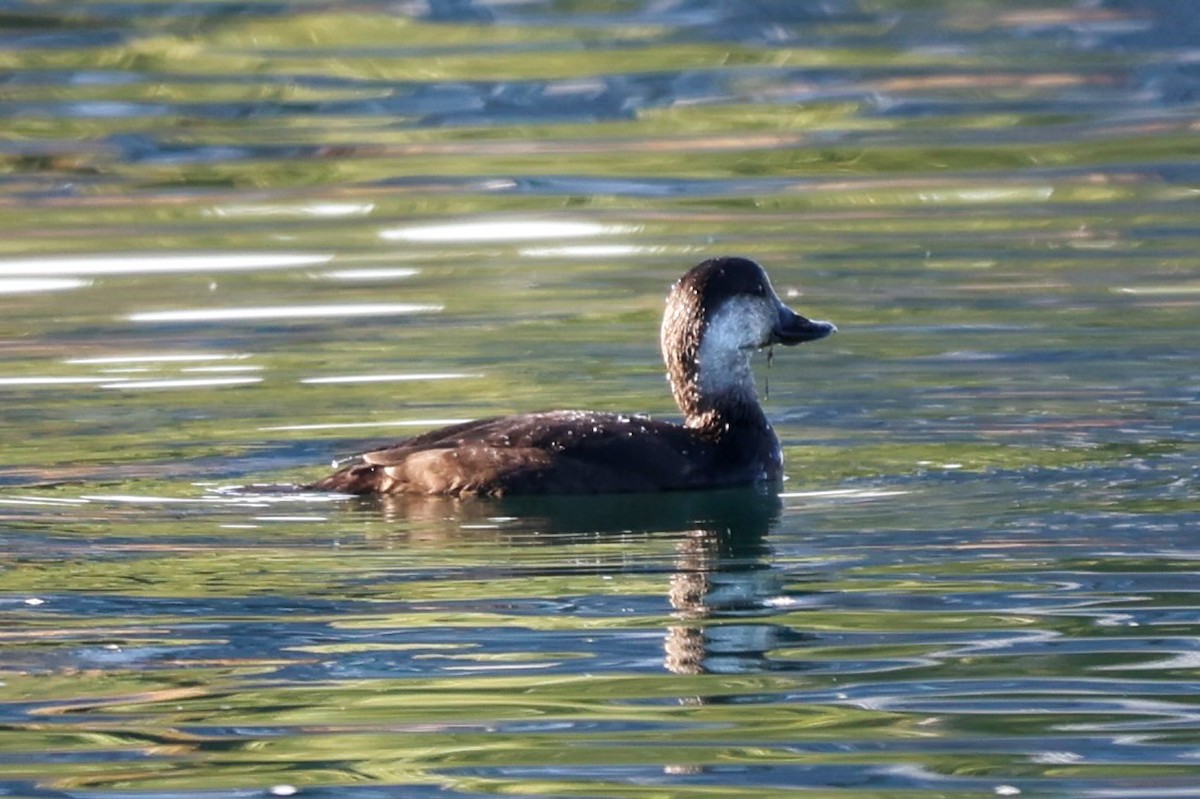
x=156, y=264
x=386, y=378
x=740, y=518
x=589, y=251
x=721, y=570
x=359, y=425
x=499, y=230
x=126, y=384
x=300, y=312
x=395, y=273
x=35, y=285
x=982, y=578
x=720, y=578
x=311, y=209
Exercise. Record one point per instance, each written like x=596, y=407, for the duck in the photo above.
x=718, y=314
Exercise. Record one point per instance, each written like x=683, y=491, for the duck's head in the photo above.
x=717, y=315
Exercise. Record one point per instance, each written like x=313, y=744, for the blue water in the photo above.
x=242, y=241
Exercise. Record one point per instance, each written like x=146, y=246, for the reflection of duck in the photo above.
x=737, y=519
x=720, y=580
x=717, y=314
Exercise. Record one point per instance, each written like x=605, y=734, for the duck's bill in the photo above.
x=793, y=328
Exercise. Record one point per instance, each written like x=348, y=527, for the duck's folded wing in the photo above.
x=552, y=452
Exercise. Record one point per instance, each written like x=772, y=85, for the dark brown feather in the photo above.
x=725, y=440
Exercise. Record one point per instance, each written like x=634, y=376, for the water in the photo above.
x=241, y=240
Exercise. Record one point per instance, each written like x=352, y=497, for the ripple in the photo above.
x=370, y=274
x=174, y=357
x=140, y=264
x=361, y=425
x=500, y=230
x=302, y=210
x=37, y=285
x=186, y=382
x=284, y=312
x=389, y=378
x=52, y=380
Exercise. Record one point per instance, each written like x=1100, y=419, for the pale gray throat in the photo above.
x=724, y=377
x=733, y=333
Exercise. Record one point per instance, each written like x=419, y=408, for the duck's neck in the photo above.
x=722, y=406
x=715, y=390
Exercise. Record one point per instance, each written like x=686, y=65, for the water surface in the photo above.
x=241, y=241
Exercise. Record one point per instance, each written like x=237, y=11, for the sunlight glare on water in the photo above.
x=153, y=264
x=282, y=312
x=498, y=230
x=241, y=243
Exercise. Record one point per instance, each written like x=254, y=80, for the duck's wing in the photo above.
x=552, y=452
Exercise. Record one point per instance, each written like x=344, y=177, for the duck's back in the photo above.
x=557, y=452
